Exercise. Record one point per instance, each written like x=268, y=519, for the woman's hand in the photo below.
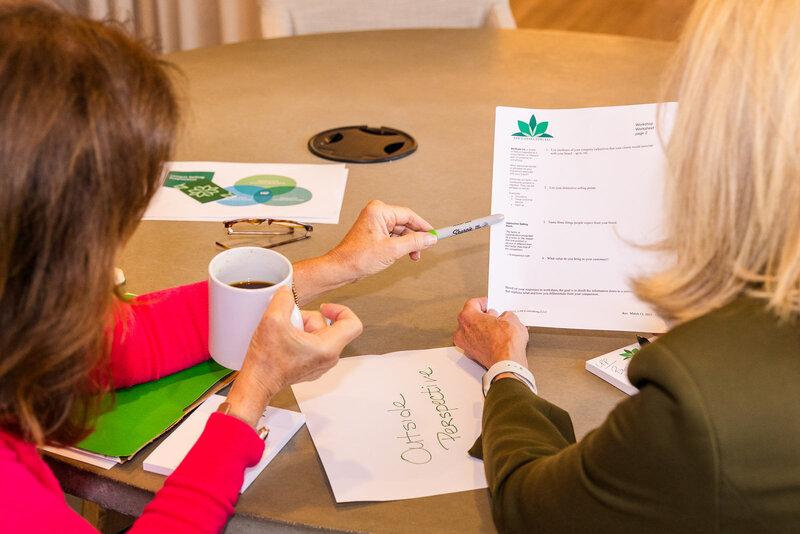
x=381, y=234
x=487, y=337
x=280, y=354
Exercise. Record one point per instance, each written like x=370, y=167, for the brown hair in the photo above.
x=733, y=194
x=87, y=117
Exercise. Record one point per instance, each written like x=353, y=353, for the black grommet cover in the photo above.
x=362, y=144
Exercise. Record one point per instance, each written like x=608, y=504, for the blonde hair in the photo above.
x=733, y=194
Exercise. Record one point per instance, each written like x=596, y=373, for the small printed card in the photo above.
x=613, y=367
x=197, y=185
x=282, y=424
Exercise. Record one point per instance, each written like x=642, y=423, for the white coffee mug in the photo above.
x=234, y=312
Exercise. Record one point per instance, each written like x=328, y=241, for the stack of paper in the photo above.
x=613, y=367
x=91, y=458
x=143, y=412
x=217, y=191
x=282, y=424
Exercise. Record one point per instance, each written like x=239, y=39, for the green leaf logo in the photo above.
x=540, y=128
x=201, y=191
x=531, y=128
x=628, y=353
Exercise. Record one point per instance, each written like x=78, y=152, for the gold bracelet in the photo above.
x=294, y=292
x=225, y=409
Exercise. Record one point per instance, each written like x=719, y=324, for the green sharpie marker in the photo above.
x=450, y=231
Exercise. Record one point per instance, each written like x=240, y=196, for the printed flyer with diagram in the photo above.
x=219, y=191
x=581, y=191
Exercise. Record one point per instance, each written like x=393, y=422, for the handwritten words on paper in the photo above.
x=413, y=443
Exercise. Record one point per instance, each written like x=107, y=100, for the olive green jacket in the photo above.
x=710, y=444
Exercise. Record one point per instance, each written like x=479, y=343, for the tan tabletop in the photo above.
x=261, y=101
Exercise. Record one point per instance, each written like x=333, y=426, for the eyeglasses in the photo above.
x=273, y=227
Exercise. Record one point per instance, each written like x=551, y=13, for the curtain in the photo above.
x=172, y=25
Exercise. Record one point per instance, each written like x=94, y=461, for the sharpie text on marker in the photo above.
x=450, y=231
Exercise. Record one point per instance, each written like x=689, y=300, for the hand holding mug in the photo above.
x=280, y=354
x=242, y=282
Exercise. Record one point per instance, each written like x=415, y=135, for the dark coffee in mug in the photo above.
x=252, y=284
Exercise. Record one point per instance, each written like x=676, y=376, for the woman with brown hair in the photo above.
x=710, y=442
x=87, y=118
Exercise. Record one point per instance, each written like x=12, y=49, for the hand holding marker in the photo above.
x=450, y=231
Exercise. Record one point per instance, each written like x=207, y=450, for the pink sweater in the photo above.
x=166, y=333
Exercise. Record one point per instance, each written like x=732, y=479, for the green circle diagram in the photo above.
x=298, y=195
x=284, y=190
x=275, y=183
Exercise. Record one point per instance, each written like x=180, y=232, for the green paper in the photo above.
x=203, y=191
x=197, y=184
x=186, y=177
x=143, y=412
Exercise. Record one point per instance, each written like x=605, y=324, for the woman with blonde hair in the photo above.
x=710, y=442
x=87, y=119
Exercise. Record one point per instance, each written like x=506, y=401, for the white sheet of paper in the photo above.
x=578, y=192
x=310, y=193
x=91, y=458
x=282, y=424
x=397, y=426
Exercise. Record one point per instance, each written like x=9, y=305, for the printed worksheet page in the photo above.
x=582, y=192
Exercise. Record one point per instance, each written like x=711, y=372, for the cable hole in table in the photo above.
x=362, y=144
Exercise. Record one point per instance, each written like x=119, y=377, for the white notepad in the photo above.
x=613, y=367
x=282, y=424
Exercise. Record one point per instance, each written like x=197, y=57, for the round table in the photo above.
x=260, y=101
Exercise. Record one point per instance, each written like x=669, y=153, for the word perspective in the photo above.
x=415, y=451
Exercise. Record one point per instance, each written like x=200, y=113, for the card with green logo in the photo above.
x=175, y=178
x=197, y=185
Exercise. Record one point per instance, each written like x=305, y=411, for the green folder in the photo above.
x=143, y=412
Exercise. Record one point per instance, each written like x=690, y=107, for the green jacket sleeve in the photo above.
x=650, y=467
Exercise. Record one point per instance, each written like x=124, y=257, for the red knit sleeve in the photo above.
x=159, y=333
x=199, y=496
